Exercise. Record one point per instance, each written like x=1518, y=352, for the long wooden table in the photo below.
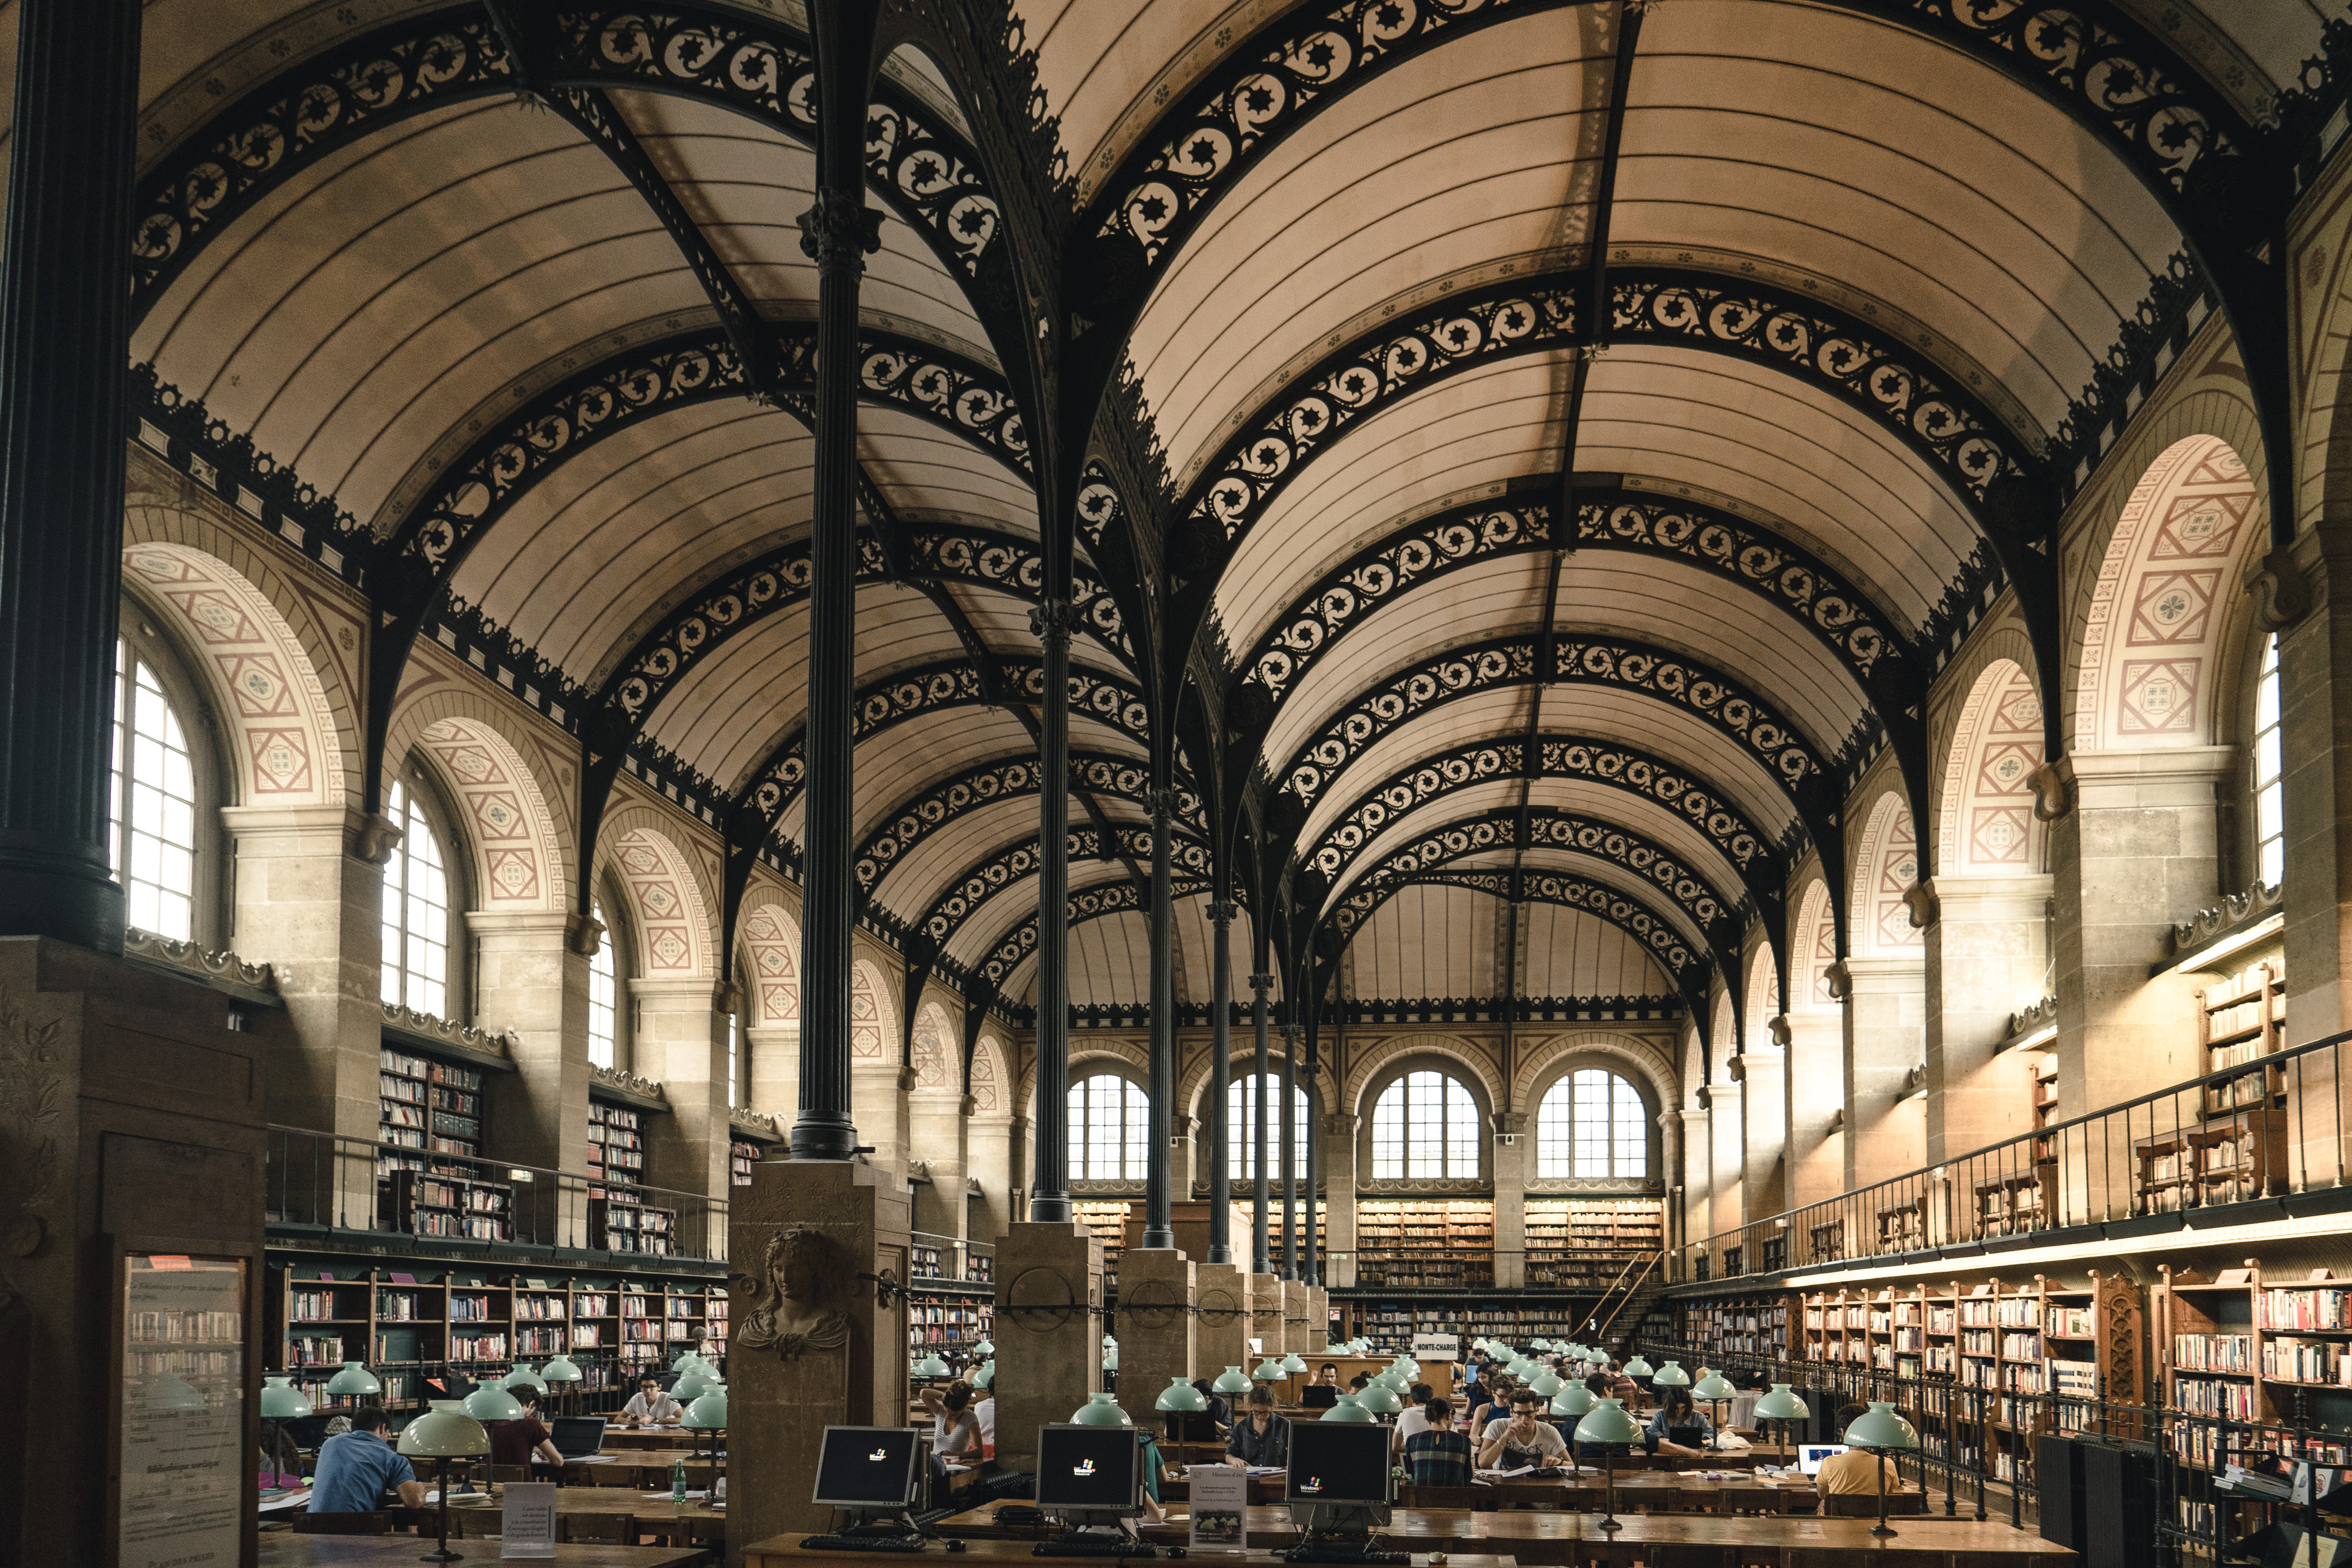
x=384, y=1550
x=784, y=1551
x=693, y=1520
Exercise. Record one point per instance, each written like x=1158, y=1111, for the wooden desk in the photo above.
x=696, y=1520
x=385, y=1551
x=784, y=1551
x=645, y=1468
x=1262, y=1488
x=645, y=1437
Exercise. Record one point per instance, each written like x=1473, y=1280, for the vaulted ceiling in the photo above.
x=1569, y=432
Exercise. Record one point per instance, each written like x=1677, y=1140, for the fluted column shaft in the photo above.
x=1289, y=1155
x=1262, y=1195
x=63, y=346
x=837, y=232
x=1221, y=1186
x=1049, y=1187
x=1158, y=1229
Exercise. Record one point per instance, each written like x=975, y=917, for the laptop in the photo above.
x=1318, y=1396
x=1810, y=1455
x=577, y=1437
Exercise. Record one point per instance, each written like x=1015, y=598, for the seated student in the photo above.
x=649, y=1406
x=356, y=1468
x=1597, y=1384
x=1220, y=1411
x=1526, y=1440
x=1324, y=1392
x=520, y=1441
x=1437, y=1455
x=1260, y=1437
x=1414, y=1416
x=1678, y=1427
x=985, y=1414
x=1497, y=1407
x=1358, y=1383
x=1857, y=1472
x=1621, y=1384
x=954, y=1428
x=1472, y=1394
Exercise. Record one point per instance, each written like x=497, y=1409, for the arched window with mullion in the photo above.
x=2270, y=793
x=1109, y=1129
x=1593, y=1124
x=151, y=804
x=417, y=971
x=1241, y=1127
x=603, y=992
x=1426, y=1127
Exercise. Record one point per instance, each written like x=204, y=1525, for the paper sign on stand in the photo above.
x=1220, y=1509
x=1436, y=1348
x=528, y=1525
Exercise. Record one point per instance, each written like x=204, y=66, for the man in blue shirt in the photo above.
x=356, y=1468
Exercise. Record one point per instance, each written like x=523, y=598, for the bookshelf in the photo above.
x=463, y=1208
x=616, y=1147
x=437, y=1109
x=949, y=1321
x=618, y=1222
x=741, y=1158
x=2236, y=1151
x=1586, y=1241
x=1424, y=1243
x=1107, y=1218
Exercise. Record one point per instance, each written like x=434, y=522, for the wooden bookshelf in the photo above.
x=949, y=1321
x=616, y=1147
x=1586, y=1241
x=1430, y=1243
x=618, y=1222
x=426, y=1203
x=741, y=1158
x=1107, y=1218
x=437, y=1110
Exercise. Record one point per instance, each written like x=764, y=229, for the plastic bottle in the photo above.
x=677, y=1484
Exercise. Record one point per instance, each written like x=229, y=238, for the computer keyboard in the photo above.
x=1321, y=1551
x=863, y=1543
x=1095, y=1547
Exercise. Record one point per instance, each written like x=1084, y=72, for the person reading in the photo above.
x=355, y=1469
x=955, y=1424
x=1524, y=1441
x=1677, y=1427
x=520, y=1441
x=649, y=1406
x=1437, y=1455
x=1857, y=1472
x=1261, y=1438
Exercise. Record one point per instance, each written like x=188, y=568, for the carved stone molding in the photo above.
x=424, y=1026
x=2237, y=909
x=2025, y=1021
x=756, y=1122
x=190, y=958
x=627, y=1082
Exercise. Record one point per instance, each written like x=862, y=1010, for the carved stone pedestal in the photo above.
x=1265, y=1317
x=811, y=1344
x=1318, y=1320
x=1295, y=1324
x=1049, y=1329
x=1222, y=1338
x=1157, y=1337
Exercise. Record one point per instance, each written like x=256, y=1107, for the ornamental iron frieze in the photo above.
x=1748, y=719
x=992, y=876
x=290, y=121
x=1629, y=915
x=1087, y=904
x=1834, y=611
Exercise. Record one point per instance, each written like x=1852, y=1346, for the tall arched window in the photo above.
x=1425, y=1125
x=2269, y=798
x=1241, y=1127
x=416, y=911
x=1110, y=1129
x=734, y=1060
x=1593, y=1124
x=152, y=803
x=604, y=986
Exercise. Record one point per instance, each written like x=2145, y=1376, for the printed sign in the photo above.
x=1436, y=1348
x=188, y=1475
x=1220, y=1509
x=530, y=1520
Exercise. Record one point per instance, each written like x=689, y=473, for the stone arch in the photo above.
x=1650, y=1067
x=937, y=1071
x=1724, y=1025
x=1192, y=1083
x=772, y=939
x=1127, y=1055
x=1985, y=821
x=2145, y=675
x=518, y=858
x=873, y=1022
x=989, y=1077
x=283, y=748
x=1813, y=939
x=1763, y=997
x=1885, y=869
x=1608, y=1053
x=668, y=913
x=1371, y=1068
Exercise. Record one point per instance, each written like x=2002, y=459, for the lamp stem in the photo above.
x=1882, y=1528
x=441, y=1552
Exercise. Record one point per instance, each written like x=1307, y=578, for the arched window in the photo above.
x=1593, y=1124
x=1241, y=1127
x=1425, y=1125
x=734, y=1060
x=2270, y=799
x=1110, y=1129
x=416, y=911
x=604, y=986
x=152, y=803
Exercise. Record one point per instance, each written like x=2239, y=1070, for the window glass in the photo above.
x=2270, y=797
x=604, y=984
x=1110, y=1130
x=1425, y=1125
x=151, y=803
x=1241, y=1127
x=1591, y=1123
x=415, y=912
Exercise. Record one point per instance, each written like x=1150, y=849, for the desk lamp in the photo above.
x=1573, y=1399
x=1880, y=1429
x=445, y=1432
x=491, y=1402
x=562, y=1378
x=1233, y=1380
x=986, y=1374
x=707, y=1414
x=1179, y=1398
x=1670, y=1376
x=355, y=1381
x=1110, y=1354
x=1099, y=1410
x=1640, y=1367
x=1781, y=1406
x=523, y=1377
x=1715, y=1388
x=1293, y=1363
x=694, y=1382
x=930, y=1366
x=1350, y=1407
x=985, y=1348
x=1607, y=1423
x=1269, y=1370
x=1380, y=1398
x=1545, y=1384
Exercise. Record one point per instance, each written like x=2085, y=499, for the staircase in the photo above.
x=1622, y=1311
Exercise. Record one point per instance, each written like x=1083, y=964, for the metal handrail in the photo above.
x=1648, y=1261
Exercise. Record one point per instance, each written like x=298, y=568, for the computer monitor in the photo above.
x=1810, y=1455
x=1316, y=1396
x=1337, y=1481
x=1089, y=1475
x=577, y=1437
x=869, y=1469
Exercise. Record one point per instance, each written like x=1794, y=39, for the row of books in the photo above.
x=2213, y=1352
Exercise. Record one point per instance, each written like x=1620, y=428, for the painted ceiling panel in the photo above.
x=1427, y=942
x=1572, y=953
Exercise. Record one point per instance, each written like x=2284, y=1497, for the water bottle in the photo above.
x=677, y=1484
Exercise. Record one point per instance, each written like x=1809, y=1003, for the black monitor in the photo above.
x=577, y=1437
x=871, y=1469
x=1337, y=1480
x=1089, y=1475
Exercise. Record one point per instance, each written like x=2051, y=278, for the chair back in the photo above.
x=1411, y=1496
x=344, y=1524
x=1864, y=1505
x=503, y=1473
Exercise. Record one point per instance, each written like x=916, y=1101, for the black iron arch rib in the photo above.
x=970, y=890
x=1093, y=902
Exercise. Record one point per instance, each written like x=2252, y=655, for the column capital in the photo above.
x=1222, y=912
x=840, y=229
x=1261, y=982
x=1053, y=620
x=2149, y=777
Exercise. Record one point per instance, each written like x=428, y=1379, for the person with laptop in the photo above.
x=1855, y=1472
x=1261, y=1438
x=1524, y=1441
x=650, y=1406
x=1677, y=1426
x=520, y=1441
x=355, y=1469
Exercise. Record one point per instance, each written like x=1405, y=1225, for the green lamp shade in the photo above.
x=1607, y=1422
x=986, y=1374
x=1670, y=1376
x=1573, y=1399
x=1539, y=1344
x=1411, y=1369
x=984, y=1348
x=281, y=1401
x=1781, y=1404
x=1714, y=1385
x=1110, y=1360
x=1179, y=1397
x=1881, y=1427
x=1639, y=1367
x=1233, y=1380
x=1348, y=1407
x=1269, y=1370
x=445, y=1432
x=169, y=1393
x=1479, y=1342
x=1545, y=1384
x=1110, y=1342
x=683, y=1360
x=1380, y=1399
x=492, y=1402
x=353, y=1379
x=1099, y=1410
x=929, y=1366
x=707, y=1414
x=694, y=1382
x=1293, y=1363
x=524, y=1377
x=559, y=1369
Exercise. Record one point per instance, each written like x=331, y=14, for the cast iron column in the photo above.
x=1314, y=1168
x=837, y=232
x=1049, y=1185
x=1221, y=1048
x=1156, y=1230
x=65, y=325
x=1289, y=1156
x=1259, y=985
